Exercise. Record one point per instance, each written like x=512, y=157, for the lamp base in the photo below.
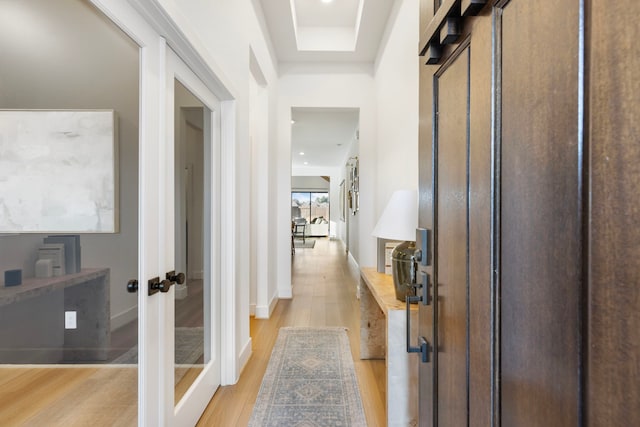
x=404, y=270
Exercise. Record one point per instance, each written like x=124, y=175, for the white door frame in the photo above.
x=144, y=22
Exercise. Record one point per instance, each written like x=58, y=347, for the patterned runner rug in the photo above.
x=310, y=381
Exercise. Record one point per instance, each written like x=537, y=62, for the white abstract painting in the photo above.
x=58, y=171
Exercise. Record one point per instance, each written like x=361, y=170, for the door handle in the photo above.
x=175, y=278
x=156, y=285
x=423, y=237
x=423, y=345
x=132, y=286
x=425, y=285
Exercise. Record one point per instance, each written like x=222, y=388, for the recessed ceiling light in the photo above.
x=292, y=121
x=327, y=1
x=306, y=163
x=301, y=153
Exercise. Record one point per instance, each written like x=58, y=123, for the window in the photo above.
x=313, y=206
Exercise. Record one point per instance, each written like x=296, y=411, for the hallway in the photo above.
x=324, y=294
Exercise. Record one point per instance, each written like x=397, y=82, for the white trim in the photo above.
x=252, y=310
x=210, y=74
x=354, y=270
x=353, y=264
x=285, y=293
x=124, y=317
x=180, y=291
x=166, y=336
x=230, y=372
x=245, y=355
x=263, y=311
x=191, y=403
x=273, y=303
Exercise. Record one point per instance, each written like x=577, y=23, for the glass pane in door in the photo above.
x=192, y=236
x=69, y=230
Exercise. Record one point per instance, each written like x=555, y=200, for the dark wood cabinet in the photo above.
x=530, y=183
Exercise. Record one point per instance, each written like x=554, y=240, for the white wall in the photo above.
x=301, y=182
x=224, y=32
x=396, y=84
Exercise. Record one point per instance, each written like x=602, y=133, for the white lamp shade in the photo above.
x=399, y=219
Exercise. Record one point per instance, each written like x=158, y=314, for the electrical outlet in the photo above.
x=70, y=320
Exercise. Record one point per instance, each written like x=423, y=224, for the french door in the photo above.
x=180, y=213
x=180, y=314
x=189, y=232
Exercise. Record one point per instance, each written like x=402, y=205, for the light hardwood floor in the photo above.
x=324, y=294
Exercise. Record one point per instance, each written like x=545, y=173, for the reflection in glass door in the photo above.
x=190, y=296
x=68, y=326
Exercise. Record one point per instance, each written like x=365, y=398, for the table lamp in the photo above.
x=399, y=221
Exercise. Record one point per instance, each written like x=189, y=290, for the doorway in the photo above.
x=324, y=143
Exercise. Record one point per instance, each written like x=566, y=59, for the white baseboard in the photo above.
x=264, y=311
x=354, y=270
x=285, y=293
x=261, y=312
x=244, y=356
x=181, y=291
x=124, y=317
x=252, y=309
x=272, y=304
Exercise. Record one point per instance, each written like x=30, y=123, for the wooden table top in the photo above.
x=32, y=287
x=381, y=286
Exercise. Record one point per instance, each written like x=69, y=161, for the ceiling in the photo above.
x=336, y=32
x=324, y=135
x=319, y=31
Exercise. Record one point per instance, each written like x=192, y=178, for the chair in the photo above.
x=299, y=226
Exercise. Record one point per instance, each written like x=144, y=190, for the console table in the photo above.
x=383, y=336
x=32, y=327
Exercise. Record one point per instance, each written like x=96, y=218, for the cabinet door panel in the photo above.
x=540, y=214
x=613, y=394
